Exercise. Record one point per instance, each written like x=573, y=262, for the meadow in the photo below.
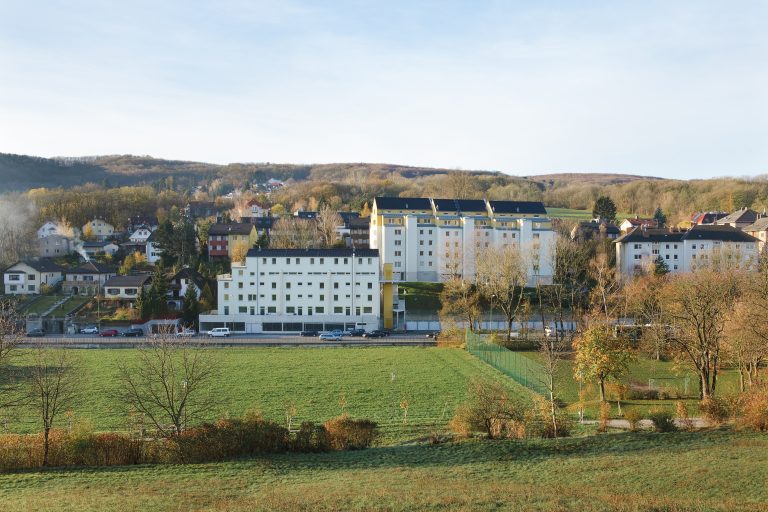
x=318, y=383
x=710, y=470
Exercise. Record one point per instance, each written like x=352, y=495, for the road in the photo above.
x=243, y=340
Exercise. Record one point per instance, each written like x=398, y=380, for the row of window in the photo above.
x=287, y=285
x=298, y=261
x=252, y=297
x=299, y=310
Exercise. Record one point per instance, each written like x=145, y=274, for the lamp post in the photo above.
x=490, y=321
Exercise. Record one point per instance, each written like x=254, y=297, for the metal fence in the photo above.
x=521, y=368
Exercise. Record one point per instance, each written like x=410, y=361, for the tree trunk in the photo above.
x=509, y=328
x=601, y=382
x=741, y=379
x=46, y=443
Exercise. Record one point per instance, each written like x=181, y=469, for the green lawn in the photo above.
x=715, y=470
x=421, y=296
x=374, y=381
x=570, y=213
x=41, y=305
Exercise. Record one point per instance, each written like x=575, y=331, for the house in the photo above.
x=98, y=229
x=297, y=290
x=48, y=229
x=595, y=228
x=153, y=251
x=704, y=218
x=739, y=219
x=685, y=251
x=359, y=233
x=54, y=245
x=88, y=279
x=179, y=283
x=262, y=224
x=27, y=277
x=126, y=287
x=759, y=230
x=140, y=235
x=258, y=209
x=138, y=221
x=95, y=248
x=637, y=222
x=430, y=240
x=223, y=238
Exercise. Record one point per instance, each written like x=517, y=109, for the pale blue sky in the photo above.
x=667, y=88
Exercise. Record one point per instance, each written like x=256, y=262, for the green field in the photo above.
x=572, y=214
x=421, y=296
x=715, y=470
x=373, y=381
x=41, y=304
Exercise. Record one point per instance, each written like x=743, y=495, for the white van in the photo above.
x=219, y=332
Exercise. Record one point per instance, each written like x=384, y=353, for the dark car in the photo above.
x=133, y=333
x=108, y=333
x=385, y=332
x=36, y=333
x=310, y=334
x=356, y=332
x=373, y=334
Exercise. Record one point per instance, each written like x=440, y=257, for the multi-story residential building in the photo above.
x=53, y=246
x=98, y=229
x=292, y=290
x=429, y=240
x=685, y=251
x=27, y=277
x=223, y=238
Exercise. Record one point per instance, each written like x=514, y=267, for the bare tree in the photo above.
x=461, y=299
x=290, y=233
x=169, y=383
x=605, y=293
x=328, y=221
x=645, y=304
x=552, y=350
x=501, y=277
x=54, y=387
x=697, y=306
x=11, y=336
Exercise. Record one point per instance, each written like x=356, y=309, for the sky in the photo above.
x=675, y=89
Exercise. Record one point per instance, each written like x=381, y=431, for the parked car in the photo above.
x=186, y=333
x=133, y=333
x=91, y=329
x=310, y=334
x=385, y=332
x=330, y=336
x=108, y=333
x=355, y=332
x=219, y=332
x=337, y=332
x=36, y=333
x=373, y=334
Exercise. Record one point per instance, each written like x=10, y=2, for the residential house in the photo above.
x=54, y=245
x=629, y=224
x=705, y=218
x=258, y=209
x=223, y=238
x=140, y=235
x=88, y=279
x=98, y=229
x=759, y=230
x=739, y=219
x=359, y=233
x=179, y=283
x=430, y=240
x=95, y=248
x=48, y=229
x=595, y=228
x=126, y=287
x=153, y=251
x=138, y=221
x=685, y=251
x=291, y=290
x=262, y=224
x=27, y=277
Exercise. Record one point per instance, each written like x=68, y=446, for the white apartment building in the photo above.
x=293, y=290
x=430, y=240
x=685, y=251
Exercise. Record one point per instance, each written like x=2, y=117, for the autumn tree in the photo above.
x=501, y=277
x=328, y=221
x=366, y=211
x=293, y=233
x=600, y=355
x=169, y=382
x=54, y=387
x=643, y=295
x=239, y=252
x=605, y=299
x=697, y=306
x=461, y=299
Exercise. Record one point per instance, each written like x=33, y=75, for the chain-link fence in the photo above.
x=521, y=368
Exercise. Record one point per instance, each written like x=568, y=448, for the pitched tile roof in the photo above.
x=131, y=280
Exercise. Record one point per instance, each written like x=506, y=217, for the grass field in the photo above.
x=41, y=305
x=374, y=381
x=716, y=470
x=570, y=213
x=421, y=296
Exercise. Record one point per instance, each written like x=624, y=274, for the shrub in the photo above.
x=487, y=409
x=344, y=433
x=714, y=409
x=643, y=394
x=311, y=438
x=754, y=409
x=662, y=420
x=633, y=416
x=538, y=421
x=681, y=411
x=604, y=416
x=228, y=438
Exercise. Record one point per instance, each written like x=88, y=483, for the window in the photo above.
x=288, y=286
x=638, y=246
x=338, y=310
x=322, y=261
x=335, y=298
x=274, y=285
x=14, y=277
x=290, y=310
x=535, y=236
x=398, y=231
x=242, y=309
x=399, y=253
x=319, y=310
x=370, y=298
x=240, y=285
x=322, y=285
x=31, y=277
x=31, y=287
x=335, y=286
x=398, y=242
x=336, y=260
x=274, y=261
x=274, y=298
x=226, y=284
x=226, y=310
x=271, y=309
x=287, y=297
x=637, y=256
x=370, y=286
x=367, y=310
x=322, y=297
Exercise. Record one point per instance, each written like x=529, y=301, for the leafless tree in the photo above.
x=461, y=299
x=290, y=233
x=169, y=383
x=54, y=387
x=328, y=221
x=11, y=336
x=501, y=277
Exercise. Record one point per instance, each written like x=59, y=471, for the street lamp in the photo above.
x=490, y=321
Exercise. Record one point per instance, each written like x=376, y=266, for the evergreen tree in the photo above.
x=142, y=304
x=604, y=209
x=659, y=217
x=190, y=308
x=158, y=292
x=660, y=267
